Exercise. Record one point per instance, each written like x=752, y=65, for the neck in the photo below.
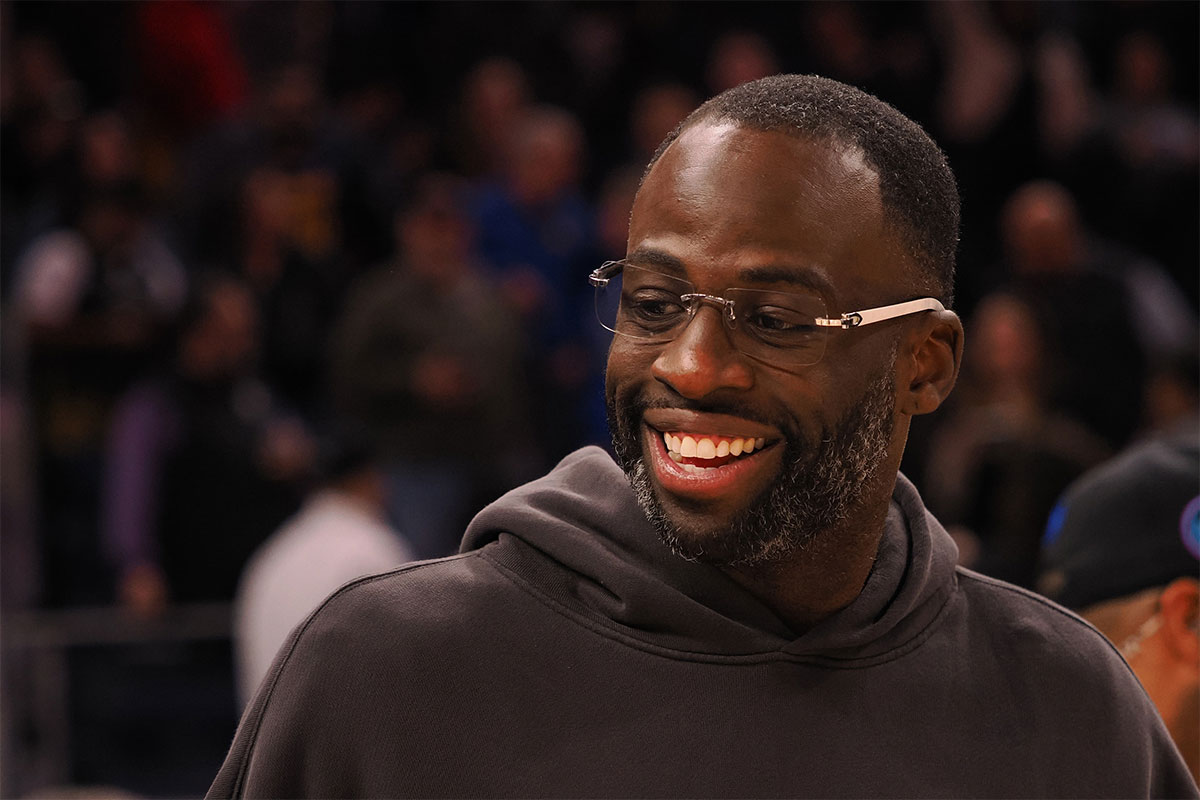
x=821, y=578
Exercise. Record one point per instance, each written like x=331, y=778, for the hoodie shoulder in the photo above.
x=1047, y=650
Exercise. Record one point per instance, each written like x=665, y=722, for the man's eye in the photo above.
x=653, y=308
x=775, y=320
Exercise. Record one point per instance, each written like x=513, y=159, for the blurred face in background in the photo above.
x=545, y=156
x=222, y=341
x=434, y=236
x=1041, y=228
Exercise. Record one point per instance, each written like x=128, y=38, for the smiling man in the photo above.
x=755, y=602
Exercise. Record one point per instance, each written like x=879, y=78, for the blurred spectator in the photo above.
x=1122, y=549
x=287, y=131
x=537, y=230
x=1152, y=192
x=95, y=300
x=1173, y=391
x=202, y=462
x=738, y=57
x=1003, y=453
x=40, y=106
x=657, y=109
x=338, y=534
x=1085, y=304
x=427, y=356
x=494, y=98
x=288, y=259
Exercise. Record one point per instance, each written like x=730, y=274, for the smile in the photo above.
x=696, y=451
x=709, y=457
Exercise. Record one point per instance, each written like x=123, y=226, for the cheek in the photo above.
x=628, y=365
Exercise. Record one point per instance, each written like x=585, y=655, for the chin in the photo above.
x=817, y=484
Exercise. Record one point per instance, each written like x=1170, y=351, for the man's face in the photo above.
x=731, y=207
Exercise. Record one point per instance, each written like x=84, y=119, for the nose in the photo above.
x=702, y=360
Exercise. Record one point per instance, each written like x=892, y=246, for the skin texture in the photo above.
x=722, y=205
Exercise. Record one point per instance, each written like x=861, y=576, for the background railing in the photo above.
x=63, y=672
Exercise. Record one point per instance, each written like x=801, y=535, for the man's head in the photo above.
x=809, y=191
x=1123, y=549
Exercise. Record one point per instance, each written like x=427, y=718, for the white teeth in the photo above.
x=704, y=447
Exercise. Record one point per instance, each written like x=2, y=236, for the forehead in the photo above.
x=726, y=201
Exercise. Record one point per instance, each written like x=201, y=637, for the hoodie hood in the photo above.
x=578, y=539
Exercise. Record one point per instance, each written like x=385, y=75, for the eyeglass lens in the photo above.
x=773, y=327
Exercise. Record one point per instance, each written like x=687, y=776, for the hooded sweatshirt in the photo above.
x=566, y=652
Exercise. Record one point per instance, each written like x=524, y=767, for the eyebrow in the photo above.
x=649, y=257
x=804, y=277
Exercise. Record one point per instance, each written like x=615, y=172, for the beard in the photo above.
x=819, y=484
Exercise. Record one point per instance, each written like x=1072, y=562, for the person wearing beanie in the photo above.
x=1122, y=549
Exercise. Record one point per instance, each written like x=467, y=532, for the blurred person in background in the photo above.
x=537, y=232
x=339, y=533
x=288, y=256
x=1003, y=454
x=41, y=105
x=493, y=99
x=657, y=109
x=737, y=57
x=1123, y=550
x=1149, y=138
x=427, y=357
x=1085, y=312
x=202, y=461
x=287, y=131
x=95, y=299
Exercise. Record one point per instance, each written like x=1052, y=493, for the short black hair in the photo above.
x=918, y=189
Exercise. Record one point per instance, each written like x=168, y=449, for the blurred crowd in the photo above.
x=237, y=236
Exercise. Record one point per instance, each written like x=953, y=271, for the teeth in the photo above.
x=705, y=447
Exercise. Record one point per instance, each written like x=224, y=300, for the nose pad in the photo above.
x=703, y=358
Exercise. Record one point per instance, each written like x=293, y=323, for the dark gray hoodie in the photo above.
x=566, y=652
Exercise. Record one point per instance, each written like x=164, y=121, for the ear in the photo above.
x=930, y=360
x=1179, y=605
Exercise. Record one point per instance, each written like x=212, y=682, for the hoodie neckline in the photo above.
x=578, y=539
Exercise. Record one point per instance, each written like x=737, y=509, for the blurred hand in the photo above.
x=286, y=450
x=142, y=591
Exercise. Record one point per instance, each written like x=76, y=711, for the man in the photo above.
x=797, y=627
x=1122, y=548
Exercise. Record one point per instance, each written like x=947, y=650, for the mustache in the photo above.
x=640, y=404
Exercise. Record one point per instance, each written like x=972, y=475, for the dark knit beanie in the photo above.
x=1130, y=524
